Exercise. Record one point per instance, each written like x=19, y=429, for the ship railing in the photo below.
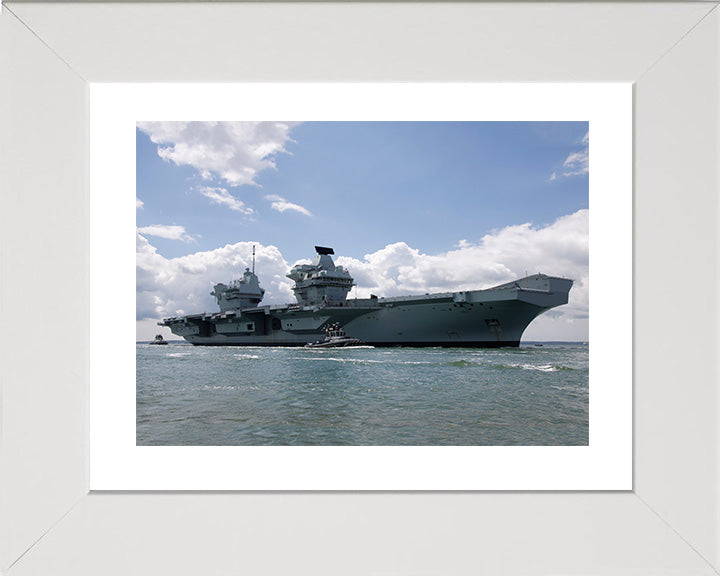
x=354, y=303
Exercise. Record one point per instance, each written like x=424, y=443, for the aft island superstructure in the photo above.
x=493, y=317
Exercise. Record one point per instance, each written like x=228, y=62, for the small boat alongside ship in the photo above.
x=335, y=337
x=159, y=341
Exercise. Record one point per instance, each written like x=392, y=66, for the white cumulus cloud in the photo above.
x=236, y=152
x=558, y=249
x=281, y=205
x=171, y=286
x=169, y=232
x=576, y=163
x=221, y=196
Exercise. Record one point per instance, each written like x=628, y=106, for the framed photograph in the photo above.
x=134, y=446
x=75, y=172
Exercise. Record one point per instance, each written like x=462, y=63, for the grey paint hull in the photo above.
x=481, y=318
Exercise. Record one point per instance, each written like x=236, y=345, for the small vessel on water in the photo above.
x=488, y=318
x=159, y=340
x=335, y=337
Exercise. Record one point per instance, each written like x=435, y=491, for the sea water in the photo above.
x=259, y=396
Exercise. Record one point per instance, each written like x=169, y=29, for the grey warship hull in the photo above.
x=494, y=317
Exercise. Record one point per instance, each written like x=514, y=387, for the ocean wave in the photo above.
x=343, y=360
x=246, y=356
x=461, y=363
x=532, y=367
x=177, y=354
x=543, y=368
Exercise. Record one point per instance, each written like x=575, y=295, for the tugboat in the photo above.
x=335, y=337
x=159, y=340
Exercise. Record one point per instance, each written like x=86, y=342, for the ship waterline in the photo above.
x=493, y=317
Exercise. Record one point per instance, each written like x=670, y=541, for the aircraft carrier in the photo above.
x=490, y=318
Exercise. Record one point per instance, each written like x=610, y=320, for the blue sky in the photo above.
x=405, y=192
x=430, y=184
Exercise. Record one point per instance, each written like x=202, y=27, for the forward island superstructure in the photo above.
x=493, y=317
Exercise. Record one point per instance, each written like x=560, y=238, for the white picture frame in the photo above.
x=668, y=523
